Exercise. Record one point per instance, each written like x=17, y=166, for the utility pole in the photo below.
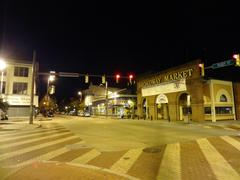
x=32, y=89
x=106, y=100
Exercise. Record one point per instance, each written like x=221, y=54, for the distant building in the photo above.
x=182, y=94
x=17, y=84
x=118, y=101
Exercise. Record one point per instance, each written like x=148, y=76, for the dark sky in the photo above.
x=116, y=36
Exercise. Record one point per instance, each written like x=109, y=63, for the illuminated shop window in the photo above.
x=223, y=98
x=207, y=110
x=223, y=110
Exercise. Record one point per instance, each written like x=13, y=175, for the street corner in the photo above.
x=57, y=170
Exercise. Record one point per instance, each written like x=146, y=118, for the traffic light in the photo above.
x=117, y=77
x=86, y=78
x=237, y=59
x=103, y=79
x=201, y=66
x=130, y=78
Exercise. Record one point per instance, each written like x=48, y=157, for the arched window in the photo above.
x=223, y=98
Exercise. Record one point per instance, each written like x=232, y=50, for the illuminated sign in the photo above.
x=22, y=100
x=163, y=88
x=168, y=77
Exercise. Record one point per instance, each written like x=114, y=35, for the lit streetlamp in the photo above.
x=80, y=95
x=51, y=78
x=3, y=65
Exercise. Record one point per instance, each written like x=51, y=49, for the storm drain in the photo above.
x=153, y=149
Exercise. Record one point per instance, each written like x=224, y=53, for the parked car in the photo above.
x=87, y=114
x=3, y=115
x=50, y=114
x=84, y=113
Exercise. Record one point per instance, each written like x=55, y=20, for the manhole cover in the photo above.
x=152, y=150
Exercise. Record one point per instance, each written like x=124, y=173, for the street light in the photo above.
x=80, y=95
x=51, y=78
x=3, y=65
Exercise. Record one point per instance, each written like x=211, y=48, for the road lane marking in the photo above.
x=126, y=161
x=221, y=168
x=232, y=141
x=86, y=157
x=170, y=167
x=29, y=149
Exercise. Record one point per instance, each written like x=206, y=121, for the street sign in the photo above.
x=229, y=62
x=66, y=74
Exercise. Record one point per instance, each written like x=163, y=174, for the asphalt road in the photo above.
x=120, y=134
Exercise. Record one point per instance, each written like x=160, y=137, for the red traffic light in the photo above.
x=130, y=76
x=235, y=56
x=117, y=77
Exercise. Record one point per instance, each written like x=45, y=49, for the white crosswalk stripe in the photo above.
x=50, y=135
x=43, y=157
x=126, y=161
x=86, y=157
x=221, y=168
x=19, y=135
x=170, y=167
x=232, y=141
x=29, y=149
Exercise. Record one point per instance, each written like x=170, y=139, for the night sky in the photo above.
x=117, y=36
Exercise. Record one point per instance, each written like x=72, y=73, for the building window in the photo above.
x=19, y=88
x=21, y=71
x=223, y=110
x=223, y=98
x=207, y=110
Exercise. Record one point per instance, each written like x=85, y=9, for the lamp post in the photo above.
x=2, y=67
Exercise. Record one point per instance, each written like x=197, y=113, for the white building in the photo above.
x=16, y=90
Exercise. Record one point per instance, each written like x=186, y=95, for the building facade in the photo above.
x=17, y=85
x=117, y=103
x=182, y=94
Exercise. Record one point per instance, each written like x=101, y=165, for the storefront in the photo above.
x=181, y=93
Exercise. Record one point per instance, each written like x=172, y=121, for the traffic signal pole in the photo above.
x=106, y=100
x=32, y=88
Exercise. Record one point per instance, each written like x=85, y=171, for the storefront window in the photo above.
x=207, y=110
x=223, y=110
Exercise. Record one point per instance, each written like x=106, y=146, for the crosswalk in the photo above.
x=207, y=158
x=234, y=127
